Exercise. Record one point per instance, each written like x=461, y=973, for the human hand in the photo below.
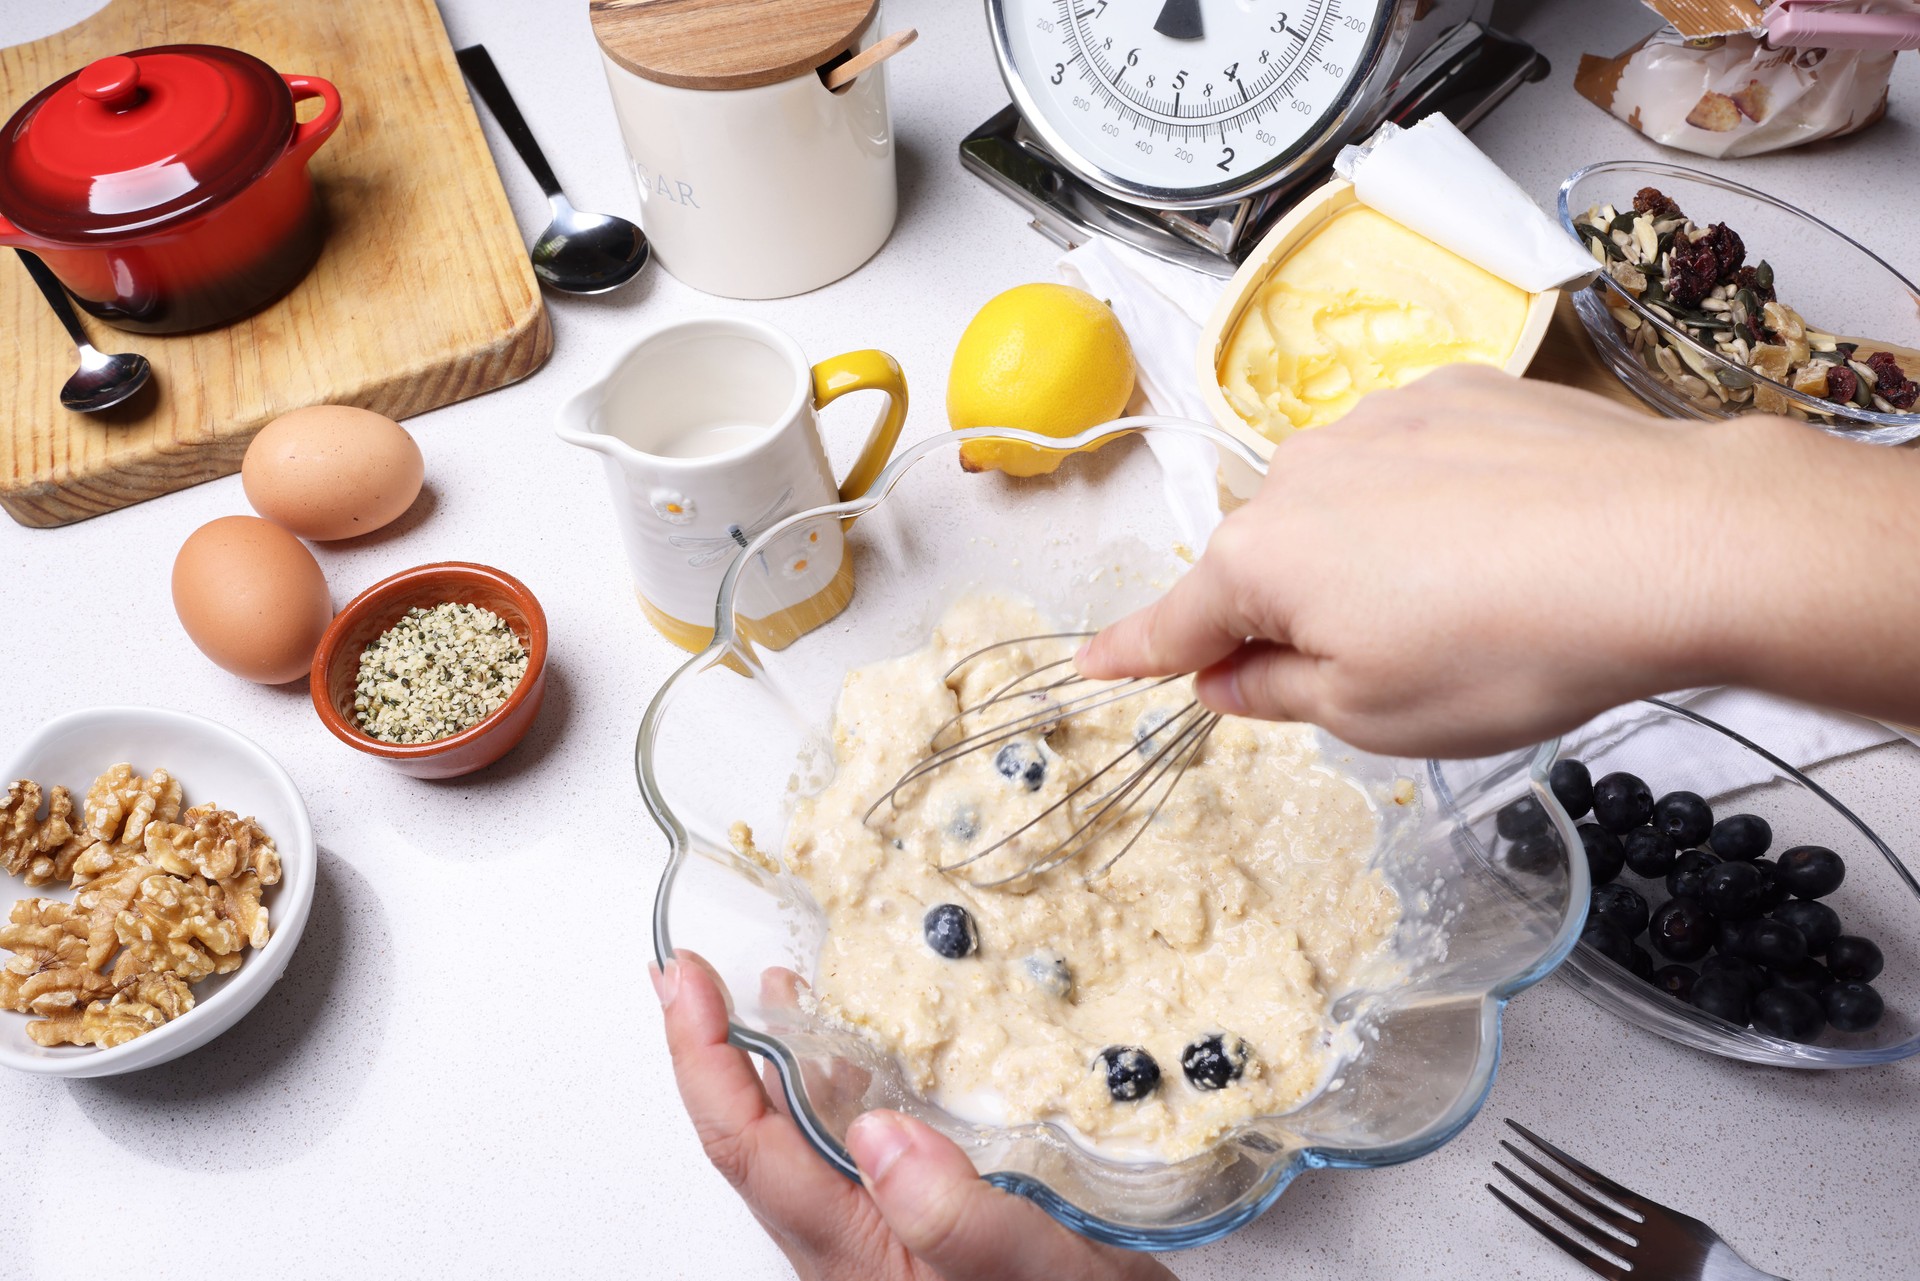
x=920, y=1212
x=1473, y=563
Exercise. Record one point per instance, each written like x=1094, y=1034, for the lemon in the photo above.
x=1046, y=358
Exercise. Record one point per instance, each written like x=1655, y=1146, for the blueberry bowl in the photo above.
x=735, y=737
x=1672, y=748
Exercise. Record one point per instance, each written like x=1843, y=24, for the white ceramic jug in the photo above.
x=709, y=433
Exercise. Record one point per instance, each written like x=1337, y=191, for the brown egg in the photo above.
x=252, y=597
x=332, y=471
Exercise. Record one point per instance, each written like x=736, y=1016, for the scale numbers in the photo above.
x=1174, y=100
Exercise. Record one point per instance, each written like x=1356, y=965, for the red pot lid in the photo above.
x=139, y=139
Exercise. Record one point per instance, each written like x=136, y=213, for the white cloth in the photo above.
x=1163, y=308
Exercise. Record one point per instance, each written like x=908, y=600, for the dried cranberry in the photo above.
x=1692, y=271
x=1651, y=200
x=1748, y=278
x=1892, y=382
x=1841, y=384
x=1729, y=251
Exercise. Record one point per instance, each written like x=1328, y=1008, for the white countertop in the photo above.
x=449, y=1082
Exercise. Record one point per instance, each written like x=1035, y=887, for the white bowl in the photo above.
x=213, y=764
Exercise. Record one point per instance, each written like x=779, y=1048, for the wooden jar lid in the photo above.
x=727, y=44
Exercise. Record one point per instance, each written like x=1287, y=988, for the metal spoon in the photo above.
x=578, y=253
x=101, y=382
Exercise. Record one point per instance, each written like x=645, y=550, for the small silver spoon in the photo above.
x=578, y=253
x=101, y=382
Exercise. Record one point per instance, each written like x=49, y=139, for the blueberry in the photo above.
x=1788, y=1014
x=1854, y=959
x=1682, y=929
x=1727, y=942
x=949, y=931
x=1572, y=786
x=1537, y=853
x=1049, y=973
x=1621, y=801
x=1746, y=971
x=1607, y=940
x=1812, y=871
x=1021, y=762
x=1722, y=995
x=1130, y=1071
x=1641, y=964
x=1214, y=1061
x=1522, y=818
x=1690, y=873
x=1774, y=942
x=1150, y=724
x=1733, y=891
x=1851, y=1007
x=1620, y=907
x=1775, y=893
x=1675, y=980
x=1742, y=838
x=1650, y=852
x=1807, y=976
x=1604, y=857
x=1684, y=816
x=964, y=826
x=1817, y=923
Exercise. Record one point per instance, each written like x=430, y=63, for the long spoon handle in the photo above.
x=872, y=56
x=56, y=297
x=478, y=64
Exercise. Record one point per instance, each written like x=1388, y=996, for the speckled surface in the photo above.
x=449, y=1083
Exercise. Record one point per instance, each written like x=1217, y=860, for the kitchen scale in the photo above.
x=1186, y=127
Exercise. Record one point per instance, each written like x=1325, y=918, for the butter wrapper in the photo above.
x=1432, y=179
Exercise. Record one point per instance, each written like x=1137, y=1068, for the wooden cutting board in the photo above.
x=422, y=296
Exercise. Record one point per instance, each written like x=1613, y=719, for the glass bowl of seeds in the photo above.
x=438, y=670
x=1717, y=300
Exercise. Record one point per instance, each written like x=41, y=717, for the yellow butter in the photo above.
x=1362, y=304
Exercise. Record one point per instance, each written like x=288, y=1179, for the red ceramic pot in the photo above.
x=168, y=187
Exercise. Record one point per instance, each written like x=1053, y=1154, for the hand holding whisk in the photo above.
x=1115, y=802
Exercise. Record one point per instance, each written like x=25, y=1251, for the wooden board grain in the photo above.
x=423, y=295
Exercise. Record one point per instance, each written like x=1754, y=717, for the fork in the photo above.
x=1654, y=1243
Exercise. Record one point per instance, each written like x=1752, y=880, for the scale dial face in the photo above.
x=1188, y=102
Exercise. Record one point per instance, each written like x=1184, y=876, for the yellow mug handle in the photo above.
x=865, y=371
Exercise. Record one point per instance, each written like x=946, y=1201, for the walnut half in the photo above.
x=43, y=849
x=137, y=1007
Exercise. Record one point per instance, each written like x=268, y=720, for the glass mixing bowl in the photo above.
x=1833, y=281
x=1673, y=748
x=741, y=730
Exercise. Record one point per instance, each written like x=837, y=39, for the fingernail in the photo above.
x=1080, y=655
x=666, y=982
x=1220, y=690
x=878, y=1139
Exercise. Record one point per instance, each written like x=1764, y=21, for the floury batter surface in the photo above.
x=1243, y=909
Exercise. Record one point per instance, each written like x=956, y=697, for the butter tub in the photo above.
x=1314, y=212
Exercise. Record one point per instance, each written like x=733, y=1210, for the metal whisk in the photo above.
x=1098, y=812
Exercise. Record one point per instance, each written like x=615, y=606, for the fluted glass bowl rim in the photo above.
x=786, y=1064
x=1647, y=1007
x=1853, y=422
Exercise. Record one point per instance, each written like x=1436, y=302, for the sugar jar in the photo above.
x=755, y=179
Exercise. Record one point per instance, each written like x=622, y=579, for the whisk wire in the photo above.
x=1141, y=781
x=1165, y=752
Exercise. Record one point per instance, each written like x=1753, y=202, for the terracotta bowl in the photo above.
x=336, y=665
